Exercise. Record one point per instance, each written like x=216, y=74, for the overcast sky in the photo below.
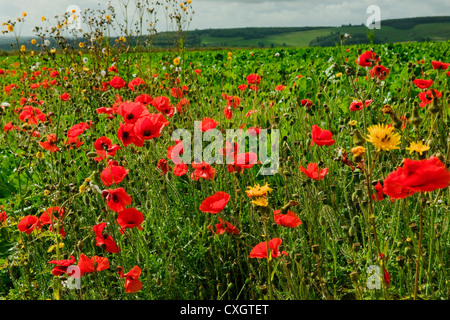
x=244, y=13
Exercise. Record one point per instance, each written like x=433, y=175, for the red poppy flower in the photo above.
x=104, y=147
x=113, y=69
x=127, y=135
x=224, y=226
x=105, y=240
x=131, y=111
x=28, y=223
x=242, y=87
x=9, y=126
x=163, y=166
x=249, y=113
x=88, y=265
x=130, y=218
x=367, y=59
x=228, y=112
x=136, y=82
x=379, y=72
x=253, y=79
x=321, y=136
x=440, y=65
x=427, y=97
x=32, y=115
x=50, y=143
x=174, y=152
x=117, y=82
x=182, y=105
x=306, y=103
x=117, y=199
x=77, y=129
x=132, y=282
x=53, y=216
x=177, y=93
x=387, y=277
x=113, y=173
x=312, y=171
x=3, y=216
x=280, y=87
x=107, y=111
x=150, y=126
x=358, y=105
x=180, y=169
x=145, y=99
x=162, y=104
x=233, y=101
x=230, y=151
x=65, y=96
x=260, y=250
x=289, y=219
x=423, y=84
x=243, y=161
x=379, y=190
x=254, y=131
x=203, y=171
x=215, y=203
x=207, y=124
x=416, y=176
x=62, y=265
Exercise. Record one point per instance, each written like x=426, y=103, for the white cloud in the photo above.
x=245, y=13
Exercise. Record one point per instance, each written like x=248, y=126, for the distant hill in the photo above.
x=394, y=30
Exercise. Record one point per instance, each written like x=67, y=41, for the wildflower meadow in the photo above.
x=130, y=172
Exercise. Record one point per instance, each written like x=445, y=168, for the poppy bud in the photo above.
x=397, y=123
x=434, y=108
x=263, y=289
x=387, y=109
x=415, y=119
x=351, y=231
x=354, y=276
x=401, y=261
x=408, y=251
x=315, y=248
x=80, y=245
x=358, y=138
x=356, y=247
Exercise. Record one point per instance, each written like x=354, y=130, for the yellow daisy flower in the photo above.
x=258, y=191
x=358, y=151
x=418, y=147
x=383, y=137
x=261, y=202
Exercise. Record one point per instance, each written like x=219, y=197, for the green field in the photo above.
x=301, y=39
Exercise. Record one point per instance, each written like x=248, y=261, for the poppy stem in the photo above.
x=419, y=250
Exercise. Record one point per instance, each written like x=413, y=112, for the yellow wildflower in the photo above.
x=258, y=191
x=418, y=147
x=358, y=151
x=383, y=137
x=261, y=202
